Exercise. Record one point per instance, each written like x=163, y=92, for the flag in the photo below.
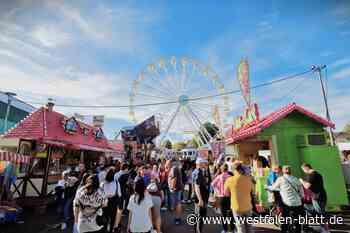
x=243, y=79
x=128, y=134
x=147, y=130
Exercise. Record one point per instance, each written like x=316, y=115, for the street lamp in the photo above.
x=10, y=95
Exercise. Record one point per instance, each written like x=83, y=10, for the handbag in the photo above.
x=101, y=220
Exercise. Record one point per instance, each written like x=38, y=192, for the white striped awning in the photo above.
x=14, y=157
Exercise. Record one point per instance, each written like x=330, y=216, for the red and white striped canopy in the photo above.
x=14, y=157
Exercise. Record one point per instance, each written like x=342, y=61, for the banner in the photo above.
x=249, y=117
x=147, y=130
x=243, y=79
x=98, y=121
x=218, y=148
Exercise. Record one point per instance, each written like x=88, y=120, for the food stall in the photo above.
x=291, y=136
x=10, y=164
x=56, y=143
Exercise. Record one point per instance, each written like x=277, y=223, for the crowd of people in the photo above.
x=98, y=199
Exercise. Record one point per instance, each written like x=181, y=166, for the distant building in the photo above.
x=18, y=111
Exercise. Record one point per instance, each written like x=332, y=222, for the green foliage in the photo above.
x=211, y=128
x=167, y=144
x=180, y=145
x=347, y=128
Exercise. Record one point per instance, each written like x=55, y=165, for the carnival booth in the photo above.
x=55, y=143
x=10, y=164
x=291, y=136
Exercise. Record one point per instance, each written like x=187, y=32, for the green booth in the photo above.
x=292, y=135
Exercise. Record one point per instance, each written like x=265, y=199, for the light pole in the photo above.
x=10, y=95
x=318, y=69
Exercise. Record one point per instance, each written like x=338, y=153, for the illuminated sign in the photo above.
x=249, y=117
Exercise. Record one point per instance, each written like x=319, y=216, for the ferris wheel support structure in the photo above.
x=201, y=136
x=170, y=124
x=200, y=123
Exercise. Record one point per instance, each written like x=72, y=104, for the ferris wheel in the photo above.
x=185, y=93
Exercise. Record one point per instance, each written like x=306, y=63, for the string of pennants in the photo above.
x=14, y=157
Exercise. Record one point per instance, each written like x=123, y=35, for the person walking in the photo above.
x=218, y=185
x=239, y=188
x=141, y=172
x=109, y=186
x=314, y=182
x=274, y=173
x=176, y=189
x=163, y=176
x=121, y=179
x=140, y=209
x=88, y=204
x=154, y=190
x=201, y=183
x=68, y=184
x=292, y=193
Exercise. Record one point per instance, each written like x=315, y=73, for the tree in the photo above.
x=211, y=128
x=193, y=142
x=180, y=146
x=347, y=128
x=167, y=144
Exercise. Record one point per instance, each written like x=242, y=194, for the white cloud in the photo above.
x=123, y=28
x=340, y=62
x=50, y=36
x=341, y=74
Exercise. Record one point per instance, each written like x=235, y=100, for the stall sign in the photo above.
x=98, y=121
x=218, y=148
x=41, y=154
x=249, y=117
x=71, y=126
x=99, y=134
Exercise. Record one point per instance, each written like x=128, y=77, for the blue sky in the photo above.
x=89, y=52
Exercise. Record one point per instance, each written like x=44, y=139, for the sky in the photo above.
x=90, y=52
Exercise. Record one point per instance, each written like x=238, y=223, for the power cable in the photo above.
x=177, y=101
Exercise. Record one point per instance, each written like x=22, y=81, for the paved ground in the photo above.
x=46, y=224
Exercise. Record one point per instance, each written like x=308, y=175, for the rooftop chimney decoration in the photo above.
x=50, y=104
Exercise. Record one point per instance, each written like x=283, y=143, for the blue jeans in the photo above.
x=67, y=208
x=175, y=198
x=167, y=198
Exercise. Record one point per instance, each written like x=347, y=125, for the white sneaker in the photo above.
x=223, y=231
x=63, y=226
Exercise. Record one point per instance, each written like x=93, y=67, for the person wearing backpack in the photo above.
x=292, y=194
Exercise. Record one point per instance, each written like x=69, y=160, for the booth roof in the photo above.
x=117, y=146
x=48, y=127
x=272, y=118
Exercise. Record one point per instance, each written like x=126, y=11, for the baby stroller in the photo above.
x=312, y=209
x=276, y=208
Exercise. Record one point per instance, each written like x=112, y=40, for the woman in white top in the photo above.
x=88, y=204
x=109, y=186
x=140, y=209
